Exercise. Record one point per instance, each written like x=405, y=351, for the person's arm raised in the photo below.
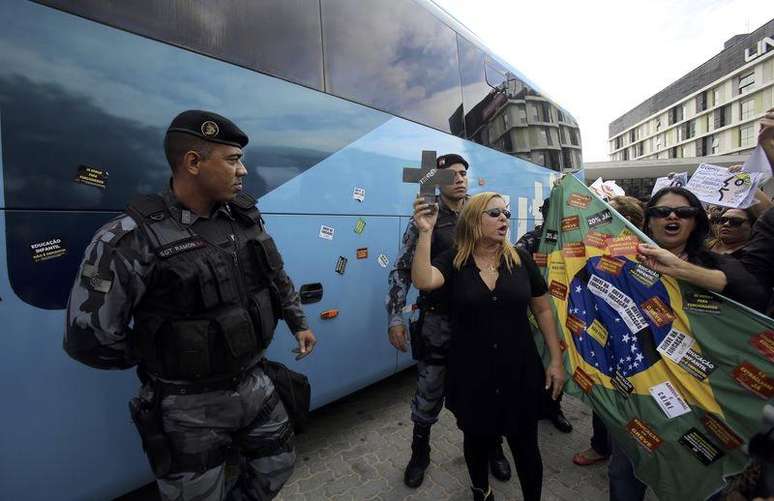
x=424, y=275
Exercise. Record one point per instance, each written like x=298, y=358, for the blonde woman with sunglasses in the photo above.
x=492, y=383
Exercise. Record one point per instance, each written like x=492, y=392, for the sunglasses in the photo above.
x=681, y=212
x=733, y=222
x=497, y=211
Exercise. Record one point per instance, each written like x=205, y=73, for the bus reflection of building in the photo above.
x=515, y=119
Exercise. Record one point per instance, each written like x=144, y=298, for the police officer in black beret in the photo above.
x=188, y=286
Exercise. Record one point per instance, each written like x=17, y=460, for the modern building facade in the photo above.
x=713, y=110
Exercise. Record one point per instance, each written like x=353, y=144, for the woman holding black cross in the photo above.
x=491, y=385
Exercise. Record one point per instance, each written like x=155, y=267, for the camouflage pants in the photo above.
x=248, y=418
x=431, y=370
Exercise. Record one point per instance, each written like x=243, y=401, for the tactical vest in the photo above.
x=208, y=311
x=443, y=239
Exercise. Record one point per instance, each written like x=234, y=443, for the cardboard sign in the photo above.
x=764, y=343
x=669, y=399
x=574, y=249
x=570, y=223
x=327, y=232
x=49, y=249
x=610, y=265
x=715, y=185
x=558, y=290
x=719, y=430
x=755, y=380
x=578, y=200
x=658, y=312
x=675, y=345
x=583, y=380
x=644, y=434
x=91, y=176
x=701, y=447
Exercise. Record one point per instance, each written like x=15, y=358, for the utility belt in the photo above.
x=223, y=383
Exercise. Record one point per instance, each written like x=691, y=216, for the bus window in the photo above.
x=281, y=37
x=394, y=56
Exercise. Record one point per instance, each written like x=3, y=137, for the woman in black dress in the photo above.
x=492, y=388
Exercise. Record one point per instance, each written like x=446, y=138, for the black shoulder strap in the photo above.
x=244, y=206
x=147, y=206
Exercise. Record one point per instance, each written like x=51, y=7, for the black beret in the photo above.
x=452, y=158
x=209, y=126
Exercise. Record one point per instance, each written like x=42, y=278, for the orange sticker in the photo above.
x=721, y=431
x=578, y=200
x=362, y=253
x=574, y=249
x=570, y=223
x=754, y=379
x=540, y=259
x=583, y=380
x=657, y=311
x=610, y=265
x=644, y=434
x=575, y=325
x=764, y=343
x=558, y=290
x=623, y=246
x=596, y=239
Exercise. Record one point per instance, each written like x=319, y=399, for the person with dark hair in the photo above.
x=552, y=407
x=431, y=331
x=677, y=222
x=734, y=230
x=188, y=286
x=493, y=386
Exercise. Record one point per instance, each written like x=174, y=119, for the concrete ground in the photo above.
x=356, y=449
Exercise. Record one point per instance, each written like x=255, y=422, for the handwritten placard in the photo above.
x=715, y=185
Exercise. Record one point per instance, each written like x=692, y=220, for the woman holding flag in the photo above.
x=491, y=385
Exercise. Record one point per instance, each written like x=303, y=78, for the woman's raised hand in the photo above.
x=425, y=214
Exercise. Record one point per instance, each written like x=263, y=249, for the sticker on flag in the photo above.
x=670, y=401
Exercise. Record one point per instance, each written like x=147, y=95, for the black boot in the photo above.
x=420, y=457
x=498, y=464
x=481, y=495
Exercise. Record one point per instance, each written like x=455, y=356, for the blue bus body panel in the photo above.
x=65, y=428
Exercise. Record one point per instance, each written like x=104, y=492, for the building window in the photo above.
x=632, y=136
x=559, y=115
x=626, y=154
x=658, y=124
x=747, y=109
x=676, y=114
x=690, y=129
x=573, y=137
x=618, y=142
x=716, y=96
x=715, y=145
x=638, y=149
x=722, y=117
x=701, y=147
x=746, y=82
x=549, y=140
x=567, y=158
x=747, y=135
x=701, y=102
x=546, y=109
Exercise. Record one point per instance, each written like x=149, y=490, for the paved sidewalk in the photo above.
x=356, y=450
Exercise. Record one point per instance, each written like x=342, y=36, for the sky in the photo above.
x=600, y=58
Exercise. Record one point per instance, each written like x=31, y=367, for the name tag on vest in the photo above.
x=180, y=246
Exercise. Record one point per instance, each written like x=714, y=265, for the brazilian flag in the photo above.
x=680, y=375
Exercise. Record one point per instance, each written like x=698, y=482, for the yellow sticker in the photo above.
x=598, y=332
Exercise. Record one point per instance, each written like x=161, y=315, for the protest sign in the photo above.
x=680, y=179
x=606, y=189
x=715, y=185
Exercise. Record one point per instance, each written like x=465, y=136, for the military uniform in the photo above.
x=193, y=302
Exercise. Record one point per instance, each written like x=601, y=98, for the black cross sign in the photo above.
x=429, y=176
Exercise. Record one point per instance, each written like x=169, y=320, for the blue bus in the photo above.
x=337, y=96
